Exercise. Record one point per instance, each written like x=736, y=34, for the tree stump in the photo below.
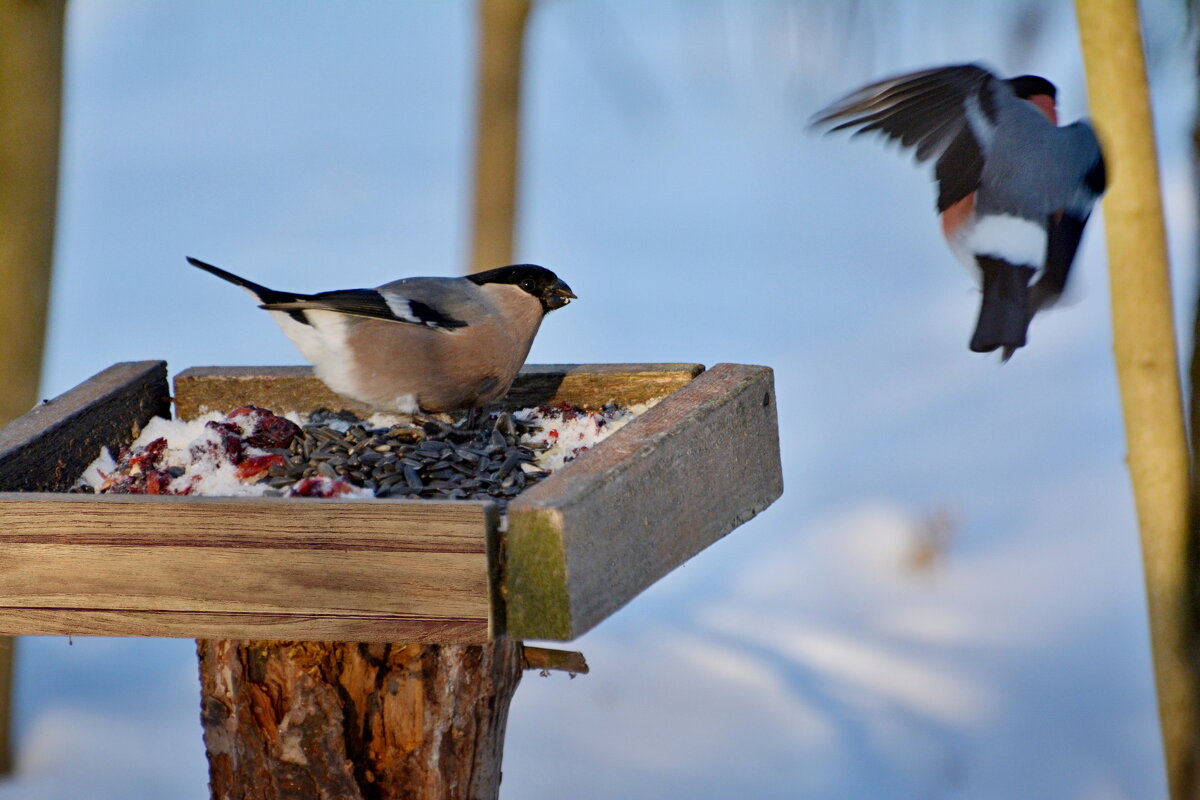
x=355, y=721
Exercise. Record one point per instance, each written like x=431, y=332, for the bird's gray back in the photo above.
x=1033, y=168
x=454, y=297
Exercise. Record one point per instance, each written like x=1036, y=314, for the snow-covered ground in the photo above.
x=946, y=603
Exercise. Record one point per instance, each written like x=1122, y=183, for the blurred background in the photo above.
x=947, y=600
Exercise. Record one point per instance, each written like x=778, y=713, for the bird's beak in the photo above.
x=558, y=296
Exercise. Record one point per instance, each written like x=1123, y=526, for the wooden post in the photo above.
x=497, y=123
x=31, y=47
x=349, y=721
x=1147, y=364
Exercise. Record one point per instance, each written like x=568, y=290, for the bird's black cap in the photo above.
x=1026, y=86
x=537, y=281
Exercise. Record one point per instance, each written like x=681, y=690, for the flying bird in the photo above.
x=1014, y=189
x=417, y=344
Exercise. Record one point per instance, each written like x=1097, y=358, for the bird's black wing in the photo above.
x=1063, y=233
x=372, y=304
x=925, y=111
x=368, y=303
x=1065, y=227
x=958, y=170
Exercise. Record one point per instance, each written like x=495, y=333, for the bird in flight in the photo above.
x=1014, y=188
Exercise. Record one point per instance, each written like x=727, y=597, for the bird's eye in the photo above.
x=528, y=285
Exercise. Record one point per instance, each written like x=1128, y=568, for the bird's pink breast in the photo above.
x=957, y=215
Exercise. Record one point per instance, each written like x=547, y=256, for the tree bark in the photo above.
x=354, y=721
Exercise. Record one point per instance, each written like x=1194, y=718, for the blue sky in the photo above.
x=669, y=177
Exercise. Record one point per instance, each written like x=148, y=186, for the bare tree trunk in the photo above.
x=497, y=123
x=31, y=64
x=345, y=720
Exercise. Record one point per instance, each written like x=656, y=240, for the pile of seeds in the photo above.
x=433, y=459
x=329, y=455
x=254, y=452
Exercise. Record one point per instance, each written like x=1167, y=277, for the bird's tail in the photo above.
x=1004, y=312
x=260, y=293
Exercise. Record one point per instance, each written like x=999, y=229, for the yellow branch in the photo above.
x=31, y=41
x=498, y=104
x=31, y=65
x=1146, y=360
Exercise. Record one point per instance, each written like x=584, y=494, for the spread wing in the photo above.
x=927, y=111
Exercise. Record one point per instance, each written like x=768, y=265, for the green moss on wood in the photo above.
x=538, y=606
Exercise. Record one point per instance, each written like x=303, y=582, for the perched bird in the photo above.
x=417, y=344
x=1014, y=189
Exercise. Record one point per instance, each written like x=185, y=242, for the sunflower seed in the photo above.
x=414, y=480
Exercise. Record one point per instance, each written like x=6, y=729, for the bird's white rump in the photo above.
x=1014, y=239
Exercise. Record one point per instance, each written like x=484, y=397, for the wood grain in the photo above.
x=594, y=385
x=544, y=659
x=219, y=625
x=50, y=446
x=587, y=540
x=245, y=560
x=283, y=389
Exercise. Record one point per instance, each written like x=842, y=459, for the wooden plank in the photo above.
x=278, y=627
x=279, y=560
x=50, y=446
x=594, y=385
x=280, y=389
x=544, y=659
x=284, y=389
x=268, y=522
x=584, y=542
x=244, y=580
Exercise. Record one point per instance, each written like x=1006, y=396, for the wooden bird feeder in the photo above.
x=578, y=546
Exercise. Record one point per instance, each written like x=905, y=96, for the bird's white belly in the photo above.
x=323, y=344
x=1014, y=239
